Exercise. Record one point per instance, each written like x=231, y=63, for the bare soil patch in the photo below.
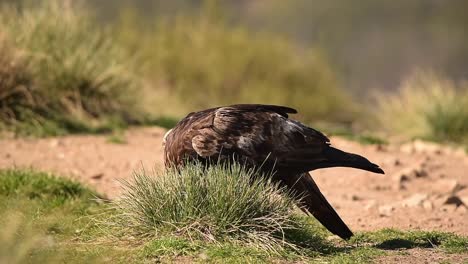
x=425, y=185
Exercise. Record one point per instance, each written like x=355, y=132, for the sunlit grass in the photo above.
x=217, y=203
x=15, y=82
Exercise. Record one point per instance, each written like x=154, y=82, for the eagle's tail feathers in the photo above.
x=315, y=203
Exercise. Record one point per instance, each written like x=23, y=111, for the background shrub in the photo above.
x=427, y=106
x=77, y=75
x=202, y=61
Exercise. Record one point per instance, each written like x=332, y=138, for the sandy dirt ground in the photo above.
x=424, y=188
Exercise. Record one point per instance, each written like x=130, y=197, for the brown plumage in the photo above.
x=263, y=135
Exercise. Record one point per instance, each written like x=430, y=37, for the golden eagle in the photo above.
x=263, y=136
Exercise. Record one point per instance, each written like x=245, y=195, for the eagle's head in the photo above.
x=165, y=137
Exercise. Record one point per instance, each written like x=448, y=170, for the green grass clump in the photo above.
x=217, y=203
x=71, y=75
x=203, y=61
x=427, y=106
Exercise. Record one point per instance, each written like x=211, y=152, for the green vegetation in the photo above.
x=47, y=219
x=427, y=106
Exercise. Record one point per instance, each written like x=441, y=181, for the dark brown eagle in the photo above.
x=263, y=136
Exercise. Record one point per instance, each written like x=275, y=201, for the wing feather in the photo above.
x=259, y=132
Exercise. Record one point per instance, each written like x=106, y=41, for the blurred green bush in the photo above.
x=202, y=62
x=427, y=106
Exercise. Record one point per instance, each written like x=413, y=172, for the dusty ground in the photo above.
x=423, y=188
x=421, y=256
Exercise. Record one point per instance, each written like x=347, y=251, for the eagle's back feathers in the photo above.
x=256, y=131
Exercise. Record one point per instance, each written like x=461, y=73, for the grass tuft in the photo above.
x=216, y=203
x=76, y=78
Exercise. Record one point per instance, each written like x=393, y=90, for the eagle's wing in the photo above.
x=260, y=132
